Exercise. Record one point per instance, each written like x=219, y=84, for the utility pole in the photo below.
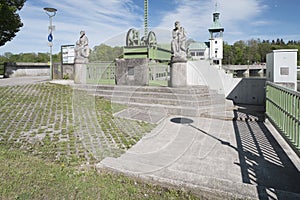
x=51, y=12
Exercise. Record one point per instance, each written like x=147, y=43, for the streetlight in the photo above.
x=51, y=12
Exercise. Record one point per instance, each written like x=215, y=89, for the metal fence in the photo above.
x=283, y=109
x=103, y=73
x=1, y=69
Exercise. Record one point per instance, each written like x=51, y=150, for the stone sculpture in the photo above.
x=178, y=44
x=82, y=50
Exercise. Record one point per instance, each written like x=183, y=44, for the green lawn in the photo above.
x=27, y=177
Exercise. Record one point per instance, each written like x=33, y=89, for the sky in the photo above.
x=107, y=21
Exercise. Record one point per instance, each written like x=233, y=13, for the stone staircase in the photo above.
x=186, y=101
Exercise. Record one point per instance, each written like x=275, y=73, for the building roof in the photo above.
x=198, y=45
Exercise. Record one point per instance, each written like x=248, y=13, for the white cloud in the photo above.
x=108, y=21
x=100, y=19
x=196, y=17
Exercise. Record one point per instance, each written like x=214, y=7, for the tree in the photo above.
x=104, y=52
x=10, y=21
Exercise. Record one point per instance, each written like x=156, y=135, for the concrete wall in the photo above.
x=249, y=91
x=239, y=90
x=26, y=69
x=202, y=73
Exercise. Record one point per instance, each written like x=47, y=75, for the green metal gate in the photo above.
x=103, y=73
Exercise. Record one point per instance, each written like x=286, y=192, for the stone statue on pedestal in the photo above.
x=82, y=50
x=178, y=66
x=178, y=44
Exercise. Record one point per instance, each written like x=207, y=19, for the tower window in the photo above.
x=216, y=42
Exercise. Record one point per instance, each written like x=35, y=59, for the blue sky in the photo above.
x=107, y=21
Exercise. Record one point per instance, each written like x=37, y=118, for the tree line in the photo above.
x=101, y=52
x=239, y=53
x=29, y=57
x=255, y=51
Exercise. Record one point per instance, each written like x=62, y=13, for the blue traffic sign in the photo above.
x=50, y=37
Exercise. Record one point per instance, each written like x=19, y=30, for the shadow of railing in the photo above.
x=262, y=160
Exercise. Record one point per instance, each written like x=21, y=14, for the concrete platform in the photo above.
x=217, y=159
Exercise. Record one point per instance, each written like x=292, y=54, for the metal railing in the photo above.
x=103, y=73
x=283, y=109
x=1, y=69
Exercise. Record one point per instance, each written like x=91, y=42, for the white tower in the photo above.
x=216, y=39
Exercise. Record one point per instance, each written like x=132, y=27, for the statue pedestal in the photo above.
x=178, y=74
x=133, y=71
x=80, y=72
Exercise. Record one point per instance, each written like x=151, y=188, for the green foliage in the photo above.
x=240, y=52
x=29, y=57
x=255, y=51
x=10, y=21
x=105, y=53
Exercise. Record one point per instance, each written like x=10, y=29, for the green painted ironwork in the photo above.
x=150, y=52
x=283, y=109
x=103, y=73
x=1, y=68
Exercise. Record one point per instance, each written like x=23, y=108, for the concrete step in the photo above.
x=196, y=102
x=188, y=101
x=183, y=90
x=178, y=110
x=207, y=94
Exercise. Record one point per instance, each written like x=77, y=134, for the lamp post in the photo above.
x=51, y=12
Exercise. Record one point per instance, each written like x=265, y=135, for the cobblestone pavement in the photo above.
x=59, y=123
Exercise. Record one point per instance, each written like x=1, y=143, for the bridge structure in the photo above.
x=246, y=69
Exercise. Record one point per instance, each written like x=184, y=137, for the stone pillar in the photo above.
x=178, y=73
x=80, y=69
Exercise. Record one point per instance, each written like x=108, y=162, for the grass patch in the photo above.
x=102, y=81
x=45, y=154
x=158, y=83
x=26, y=177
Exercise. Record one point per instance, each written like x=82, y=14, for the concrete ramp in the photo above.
x=202, y=73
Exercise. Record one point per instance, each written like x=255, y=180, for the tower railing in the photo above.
x=283, y=110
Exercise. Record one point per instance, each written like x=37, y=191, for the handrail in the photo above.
x=283, y=110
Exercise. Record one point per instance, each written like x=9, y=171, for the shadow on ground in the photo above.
x=262, y=160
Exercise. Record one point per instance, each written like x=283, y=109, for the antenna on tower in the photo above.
x=216, y=6
x=145, y=18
